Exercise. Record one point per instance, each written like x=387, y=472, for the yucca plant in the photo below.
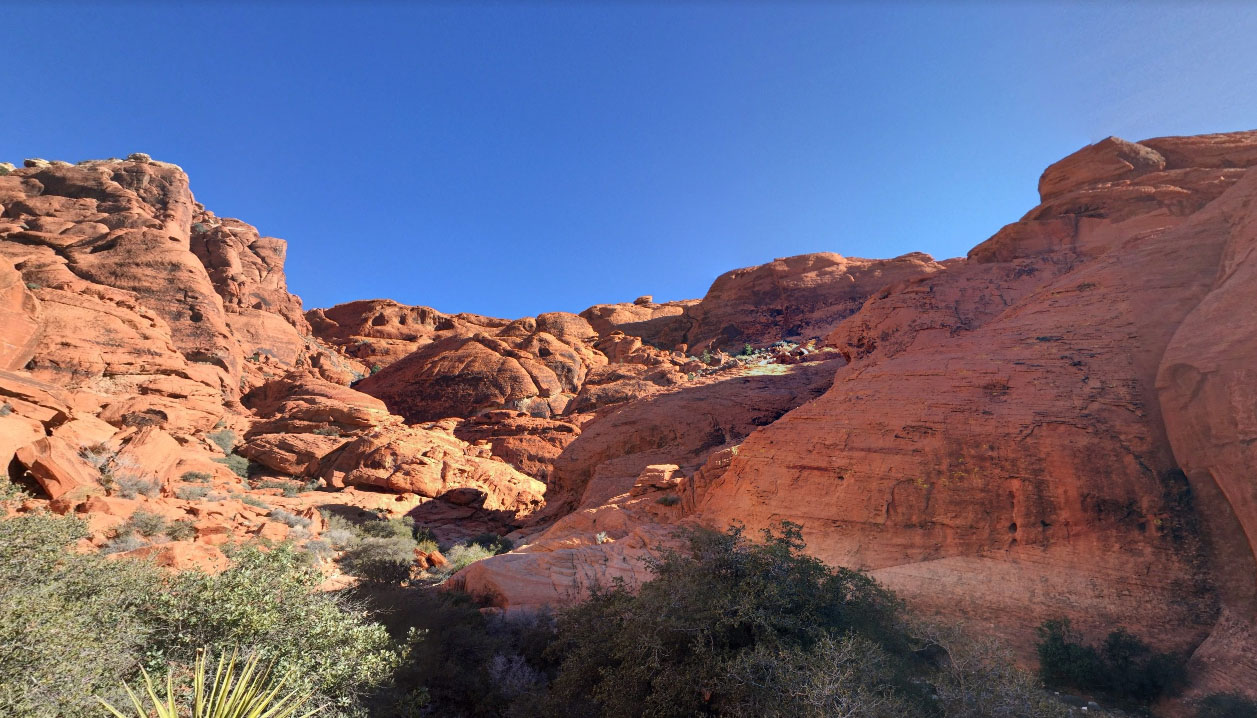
x=235, y=691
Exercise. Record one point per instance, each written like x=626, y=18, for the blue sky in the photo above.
x=515, y=158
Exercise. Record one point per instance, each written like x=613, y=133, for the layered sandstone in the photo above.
x=1063, y=415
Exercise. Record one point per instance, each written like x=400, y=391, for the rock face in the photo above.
x=796, y=298
x=144, y=340
x=1065, y=414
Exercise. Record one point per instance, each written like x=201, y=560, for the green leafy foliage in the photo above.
x=493, y=542
x=74, y=626
x=1123, y=668
x=691, y=640
x=1226, y=705
x=237, y=463
x=224, y=439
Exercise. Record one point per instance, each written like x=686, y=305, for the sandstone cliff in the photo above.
x=1059, y=425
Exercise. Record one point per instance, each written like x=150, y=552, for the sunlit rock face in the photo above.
x=1060, y=424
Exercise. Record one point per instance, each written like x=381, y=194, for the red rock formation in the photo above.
x=1017, y=419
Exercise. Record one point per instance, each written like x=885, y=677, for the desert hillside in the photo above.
x=1060, y=425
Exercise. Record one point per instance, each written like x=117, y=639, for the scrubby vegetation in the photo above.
x=729, y=628
x=1226, y=705
x=1123, y=668
x=237, y=463
x=74, y=626
x=726, y=627
x=191, y=493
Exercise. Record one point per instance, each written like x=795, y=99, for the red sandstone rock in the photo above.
x=56, y=466
x=19, y=319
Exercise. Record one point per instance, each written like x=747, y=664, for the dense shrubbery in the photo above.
x=1226, y=705
x=1124, y=668
x=75, y=625
x=728, y=628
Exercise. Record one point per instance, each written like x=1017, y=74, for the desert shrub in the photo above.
x=470, y=664
x=290, y=519
x=255, y=502
x=327, y=431
x=6, y=409
x=493, y=542
x=289, y=488
x=196, y=477
x=321, y=548
x=388, y=528
x=979, y=678
x=122, y=543
x=1226, y=705
x=131, y=486
x=668, y=500
x=181, y=530
x=268, y=602
x=71, y=625
x=379, y=560
x=191, y=493
x=720, y=627
x=1123, y=668
x=237, y=463
x=9, y=491
x=224, y=439
x=144, y=523
x=340, y=538
x=459, y=557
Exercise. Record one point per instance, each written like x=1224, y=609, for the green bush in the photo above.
x=131, y=486
x=255, y=502
x=464, y=555
x=144, y=523
x=1123, y=668
x=85, y=624
x=289, y=488
x=493, y=542
x=379, y=560
x=191, y=493
x=1226, y=705
x=181, y=530
x=71, y=625
x=224, y=439
x=668, y=500
x=727, y=626
x=196, y=477
x=237, y=463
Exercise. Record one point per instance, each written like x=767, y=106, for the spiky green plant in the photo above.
x=234, y=691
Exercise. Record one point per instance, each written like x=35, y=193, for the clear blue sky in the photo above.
x=515, y=158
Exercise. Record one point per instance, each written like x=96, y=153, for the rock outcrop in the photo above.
x=1065, y=414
